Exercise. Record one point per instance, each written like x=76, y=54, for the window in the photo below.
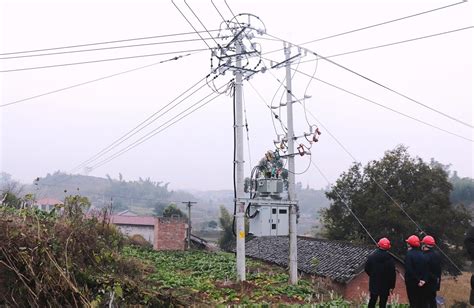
x=282, y=211
x=274, y=226
x=274, y=211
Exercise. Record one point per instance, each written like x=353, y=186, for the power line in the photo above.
x=93, y=80
x=100, y=43
x=392, y=44
x=197, y=32
x=140, y=126
x=388, y=108
x=376, y=25
x=103, y=48
x=202, y=24
x=98, y=61
x=343, y=202
x=157, y=130
x=390, y=89
x=377, y=183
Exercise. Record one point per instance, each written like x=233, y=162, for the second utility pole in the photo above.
x=293, y=258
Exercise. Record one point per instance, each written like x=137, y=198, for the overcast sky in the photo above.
x=61, y=130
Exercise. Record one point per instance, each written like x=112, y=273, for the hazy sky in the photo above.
x=61, y=130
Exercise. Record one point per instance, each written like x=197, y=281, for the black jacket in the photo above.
x=415, y=267
x=433, y=261
x=380, y=267
x=469, y=242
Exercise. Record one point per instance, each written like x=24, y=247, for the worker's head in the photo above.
x=413, y=241
x=428, y=242
x=384, y=243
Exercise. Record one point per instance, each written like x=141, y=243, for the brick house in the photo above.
x=340, y=265
x=162, y=232
x=47, y=204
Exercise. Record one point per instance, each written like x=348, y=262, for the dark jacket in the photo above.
x=415, y=267
x=469, y=242
x=433, y=261
x=380, y=267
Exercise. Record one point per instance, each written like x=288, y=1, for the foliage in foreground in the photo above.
x=65, y=260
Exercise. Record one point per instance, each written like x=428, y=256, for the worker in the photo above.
x=415, y=272
x=433, y=263
x=469, y=244
x=381, y=270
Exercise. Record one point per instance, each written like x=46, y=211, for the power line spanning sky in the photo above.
x=427, y=58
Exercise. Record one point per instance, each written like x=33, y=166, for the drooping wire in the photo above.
x=247, y=131
x=306, y=90
x=100, y=61
x=101, y=43
x=93, y=80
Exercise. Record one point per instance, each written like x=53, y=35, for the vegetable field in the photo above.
x=198, y=277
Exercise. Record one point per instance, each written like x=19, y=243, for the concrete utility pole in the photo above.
x=293, y=258
x=189, y=204
x=239, y=162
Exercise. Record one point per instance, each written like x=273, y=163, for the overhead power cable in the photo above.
x=392, y=44
x=93, y=80
x=355, y=160
x=159, y=129
x=388, y=108
x=100, y=43
x=195, y=30
x=202, y=24
x=375, y=25
x=142, y=125
x=99, y=61
x=387, y=87
x=102, y=48
x=343, y=202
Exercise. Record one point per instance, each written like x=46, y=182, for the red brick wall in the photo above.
x=170, y=234
x=358, y=287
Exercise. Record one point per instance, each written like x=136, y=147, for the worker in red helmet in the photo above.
x=433, y=262
x=416, y=273
x=380, y=267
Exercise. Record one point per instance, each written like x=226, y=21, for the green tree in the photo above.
x=421, y=189
x=173, y=211
x=227, y=239
x=212, y=224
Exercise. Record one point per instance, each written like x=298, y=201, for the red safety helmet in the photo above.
x=384, y=243
x=413, y=241
x=429, y=240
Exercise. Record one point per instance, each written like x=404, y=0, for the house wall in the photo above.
x=170, y=234
x=358, y=288
x=148, y=232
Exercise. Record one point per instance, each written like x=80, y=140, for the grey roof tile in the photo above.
x=340, y=261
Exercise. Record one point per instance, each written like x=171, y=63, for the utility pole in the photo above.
x=239, y=162
x=293, y=258
x=189, y=204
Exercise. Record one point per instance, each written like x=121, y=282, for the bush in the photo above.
x=47, y=259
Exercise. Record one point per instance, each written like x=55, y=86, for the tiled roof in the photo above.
x=133, y=220
x=340, y=261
